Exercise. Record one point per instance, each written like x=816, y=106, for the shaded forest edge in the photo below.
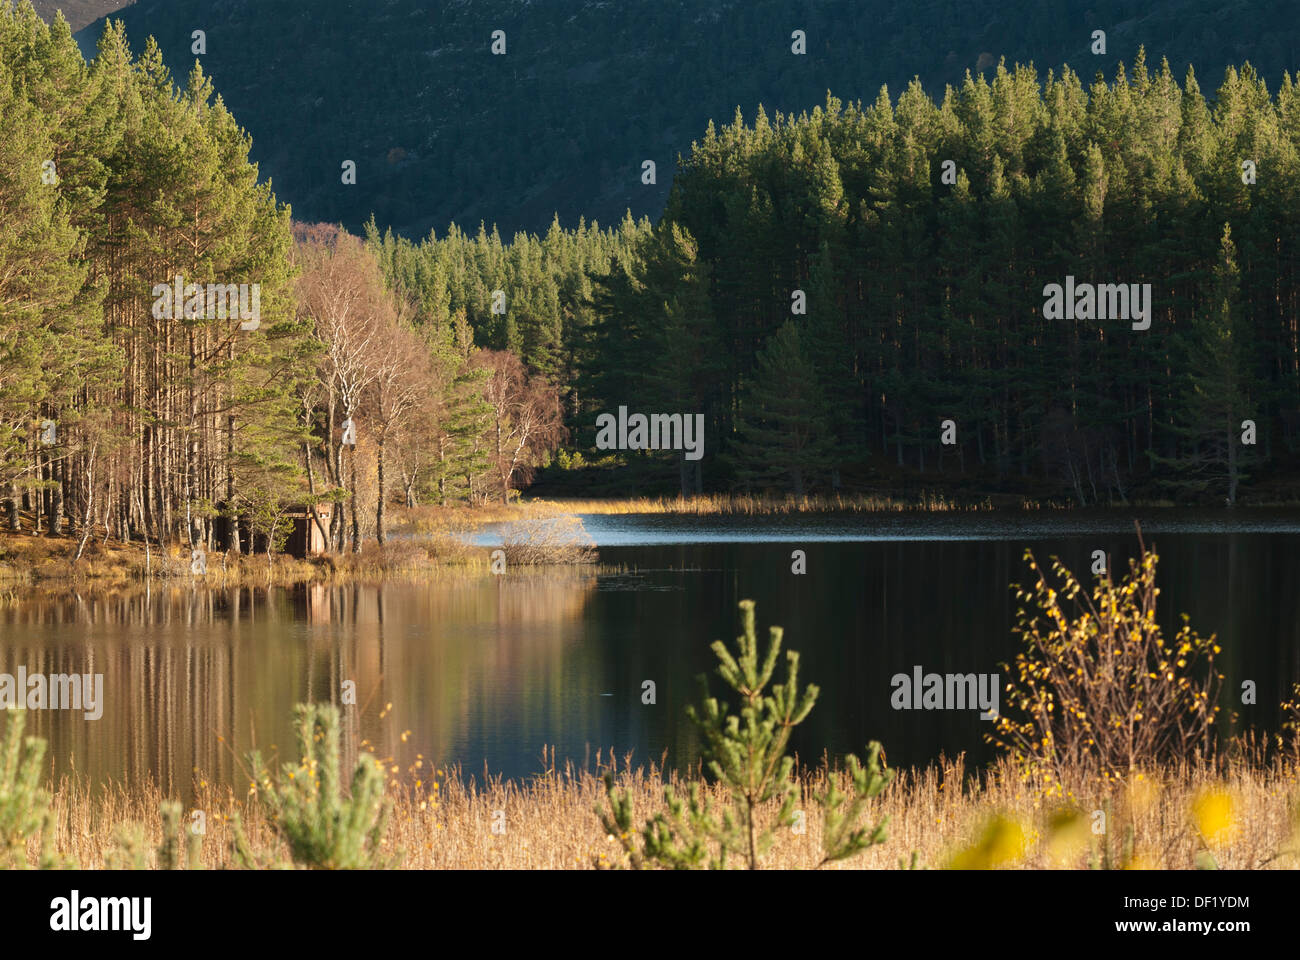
x=852, y=304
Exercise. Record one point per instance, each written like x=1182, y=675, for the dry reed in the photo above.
x=443, y=818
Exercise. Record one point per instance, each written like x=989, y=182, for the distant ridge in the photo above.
x=79, y=13
x=441, y=129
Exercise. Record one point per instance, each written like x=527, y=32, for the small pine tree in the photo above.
x=745, y=752
x=169, y=851
x=461, y=448
x=25, y=808
x=322, y=827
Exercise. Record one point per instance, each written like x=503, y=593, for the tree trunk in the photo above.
x=356, y=524
x=379, y=501
x=56, y=499
x=311, y=507
x=87, y=522
x=232, y=521
x=15, y=521
x=1232, y=467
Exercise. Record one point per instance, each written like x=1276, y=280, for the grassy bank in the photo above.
x=422, y=542
x=1244, y=816
x=27, y=560
x=725, y=504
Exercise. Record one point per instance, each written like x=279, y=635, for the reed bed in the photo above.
x=443, y=819
x=751, y=505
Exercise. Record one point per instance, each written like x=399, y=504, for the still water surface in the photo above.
x=484, y=671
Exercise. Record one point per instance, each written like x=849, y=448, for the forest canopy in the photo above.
x=442, y=130
x=852, y=297
x=830, y=288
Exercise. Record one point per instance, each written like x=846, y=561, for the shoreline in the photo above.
x=432, y=541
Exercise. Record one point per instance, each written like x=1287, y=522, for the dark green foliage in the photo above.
x=1218, y=391
x=922, y=235
x=784, y=437
x=653, y=344
x=442, y=130
x=547, y=282
x=744, y=751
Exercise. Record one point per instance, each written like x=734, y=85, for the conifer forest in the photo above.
x=393, y=392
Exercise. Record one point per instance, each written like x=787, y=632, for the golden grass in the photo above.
x=424, y=542
x=748, y=505
x=443, y=819
x=427, y=537
x=28, y=561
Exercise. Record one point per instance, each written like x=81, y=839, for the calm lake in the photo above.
x=485, y=671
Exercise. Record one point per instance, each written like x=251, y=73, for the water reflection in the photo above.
x=486, y=670
x=192, y=679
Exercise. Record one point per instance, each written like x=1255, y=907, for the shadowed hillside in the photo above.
x=78, y=13
x=441, y=129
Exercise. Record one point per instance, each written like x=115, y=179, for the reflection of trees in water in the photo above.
x=474, y=660
x=165, y=699
x=490, y=668
x=183, y=667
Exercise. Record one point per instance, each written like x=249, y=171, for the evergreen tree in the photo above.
x=744, y=750
x=1216, y=396
x=463, y=451
x=783, y=436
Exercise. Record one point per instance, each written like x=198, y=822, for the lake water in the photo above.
x=485, y=671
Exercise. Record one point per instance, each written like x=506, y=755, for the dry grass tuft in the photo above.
x=542, y=540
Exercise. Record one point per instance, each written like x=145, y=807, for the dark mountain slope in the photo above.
x=441, y=129
x=78, y=13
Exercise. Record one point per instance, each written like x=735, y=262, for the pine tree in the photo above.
x=1216, y=396
x=679, y=333
x=463, y=454
x=744, y=750
x=48, y=328
x=783, y=436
